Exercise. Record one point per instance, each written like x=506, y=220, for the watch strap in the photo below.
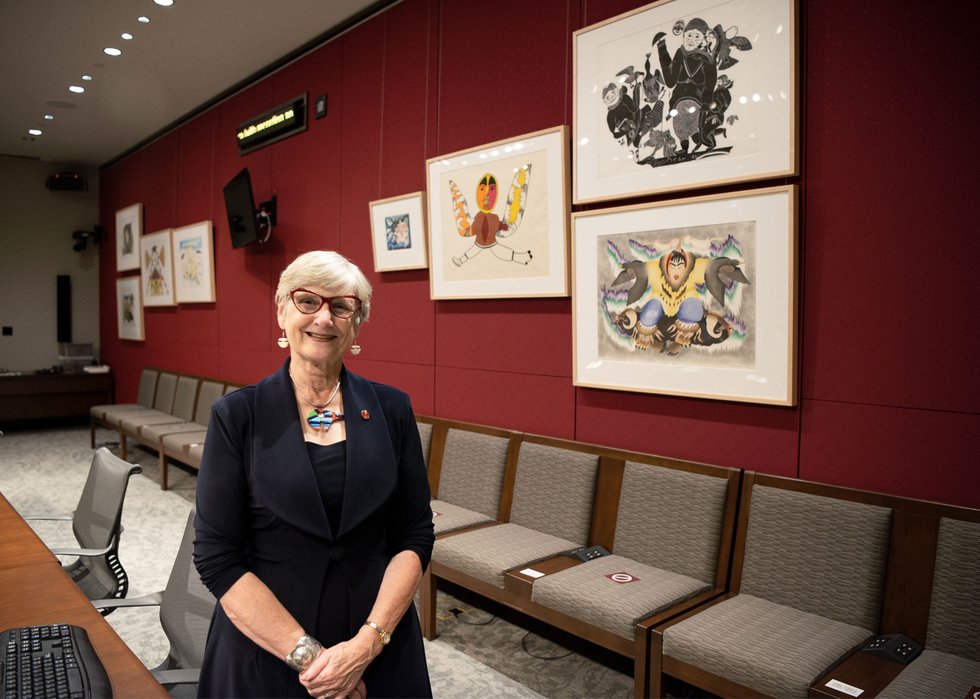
x=385, y=636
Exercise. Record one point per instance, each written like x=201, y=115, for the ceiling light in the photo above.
x=143, y=18
x=35, y=132
x=76, y=88
x=113, y=52
x=86, y=77
x=164, y=3
x=127, y=36
x=49, y=117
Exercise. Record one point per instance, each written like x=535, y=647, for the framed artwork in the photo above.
x=498, y=217
x=129, y=308
x=193, y=248
x=683, y=94
x=157, y=269
x=398, y=232
x=129, y=228
x=692, y=297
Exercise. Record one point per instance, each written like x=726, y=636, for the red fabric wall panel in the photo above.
x=887, y=214
x=535, y=404
x=918, y=453
x=753, y=437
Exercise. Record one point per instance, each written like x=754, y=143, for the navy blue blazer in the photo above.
x=259, y=510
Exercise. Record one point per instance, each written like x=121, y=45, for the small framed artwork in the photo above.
x=129, y=308
x=398, y=233
x=157, y=260
x=692, y=297
x=682, y=94
x=129, y=228
x=193, y=248
x=498, y=218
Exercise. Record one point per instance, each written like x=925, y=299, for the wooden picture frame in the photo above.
x=193, y=250
x=129, y=308
x=157, y=269
x=691, y=297
x=512, y=243
x=398, y=232
x=129, y=230
x=682, y=94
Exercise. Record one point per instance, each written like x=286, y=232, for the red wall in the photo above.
x=888, y=396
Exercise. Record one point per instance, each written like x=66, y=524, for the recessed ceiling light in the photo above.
x=49, y=117
x=127, y=36
x=35, y=132
x=76, y=88
x=86, y=77
x=143, y=18
x=165, y=3
x=113, y=52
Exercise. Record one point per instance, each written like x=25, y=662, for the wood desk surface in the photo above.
x=35, y=590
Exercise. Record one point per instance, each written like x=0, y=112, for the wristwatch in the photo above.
x=385, y=636
x=306, y=650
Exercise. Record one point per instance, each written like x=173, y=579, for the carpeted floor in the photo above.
x=481, y=651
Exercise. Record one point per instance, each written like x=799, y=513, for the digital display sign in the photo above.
x=285, y=120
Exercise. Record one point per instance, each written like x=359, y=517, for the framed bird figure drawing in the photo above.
x=692, y=297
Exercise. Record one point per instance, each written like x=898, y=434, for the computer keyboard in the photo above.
x=55, y=660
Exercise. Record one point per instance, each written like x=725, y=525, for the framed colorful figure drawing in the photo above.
x=398, y=232
x=193, y=250
x=498, y=218
x=129, y=308
x=692, y=297
x=683, y=94
x=129, y=228
x=157, y=269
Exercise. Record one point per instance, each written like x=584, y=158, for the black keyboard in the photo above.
x=51, y=661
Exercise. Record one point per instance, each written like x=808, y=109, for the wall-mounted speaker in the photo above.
x=64, y=308
x=67, y=182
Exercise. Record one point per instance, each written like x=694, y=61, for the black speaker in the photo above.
x=67, y=182
x=64, y=308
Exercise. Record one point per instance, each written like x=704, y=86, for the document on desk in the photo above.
x=845, y=688
x=531, y=573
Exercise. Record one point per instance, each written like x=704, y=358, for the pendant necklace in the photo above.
x=321, y=417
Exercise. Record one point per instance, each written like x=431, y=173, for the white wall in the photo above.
x=35, y=247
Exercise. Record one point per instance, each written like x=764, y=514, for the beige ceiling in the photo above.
x=187, y=54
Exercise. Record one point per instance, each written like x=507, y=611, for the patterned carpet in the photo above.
x=482, y=650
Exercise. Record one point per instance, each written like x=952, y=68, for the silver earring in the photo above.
x=283, y=341
x=355, y=349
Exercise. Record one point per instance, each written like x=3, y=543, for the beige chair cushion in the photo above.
x=489, y=552
x=774, y=649
x=935, y=674
x=425, y=436
x=586, y=592
x=472, y=473
x=954, y=612
x=817, y=554
x=447, y=517
x=554, y=491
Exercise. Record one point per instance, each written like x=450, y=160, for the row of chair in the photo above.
x=739, y=583
x=170, y=416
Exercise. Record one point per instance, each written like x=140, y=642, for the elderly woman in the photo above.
x=313, y=517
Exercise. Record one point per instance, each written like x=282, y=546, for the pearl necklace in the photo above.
x=320, y=418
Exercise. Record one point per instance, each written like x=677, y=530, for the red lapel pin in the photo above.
x=365, y=415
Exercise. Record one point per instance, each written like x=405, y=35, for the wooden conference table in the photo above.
x=35, y=590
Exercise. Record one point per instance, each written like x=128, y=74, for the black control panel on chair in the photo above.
x=894, y=646
x=587, y=553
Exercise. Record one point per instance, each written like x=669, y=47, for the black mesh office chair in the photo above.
x=185, y=614
x=97, y=525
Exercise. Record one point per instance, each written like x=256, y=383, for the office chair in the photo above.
x=97, y=525
x=185, y=615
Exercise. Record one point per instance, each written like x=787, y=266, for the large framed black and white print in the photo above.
x=683, y=94
x=688, y=297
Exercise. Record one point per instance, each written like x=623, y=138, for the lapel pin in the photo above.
x=365, y=415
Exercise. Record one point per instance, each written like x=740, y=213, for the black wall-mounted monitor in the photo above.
x=247, y=223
